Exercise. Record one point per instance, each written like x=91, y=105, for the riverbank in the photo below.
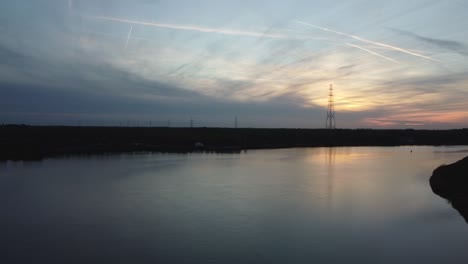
x=20, y=142
x=451, y=182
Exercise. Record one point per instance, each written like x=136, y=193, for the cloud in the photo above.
x=59, y=64
x=426, y=82
x=449, y=45
x=101, y=92
x=31, y=104
x=11, y=57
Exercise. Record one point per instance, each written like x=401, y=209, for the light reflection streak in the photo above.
x=330, y=177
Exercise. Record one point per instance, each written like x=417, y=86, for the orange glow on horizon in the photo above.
x=418, y=119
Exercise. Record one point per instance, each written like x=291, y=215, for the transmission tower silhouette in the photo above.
x=330, y=122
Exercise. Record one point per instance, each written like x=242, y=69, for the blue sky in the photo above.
x=393, y=64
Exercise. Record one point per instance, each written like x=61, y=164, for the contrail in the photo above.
x=369, y=41
x=372, y=52
x=192, y=28
x=383, y=48
x=128, y=36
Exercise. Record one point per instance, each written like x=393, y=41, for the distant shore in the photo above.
x=21, y=142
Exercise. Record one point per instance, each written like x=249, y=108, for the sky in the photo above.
x=393, y=64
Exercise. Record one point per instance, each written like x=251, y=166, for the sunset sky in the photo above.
x=393, y=64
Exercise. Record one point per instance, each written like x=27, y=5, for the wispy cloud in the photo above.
x=439, y=119
x=450, y=45
x=433, y=82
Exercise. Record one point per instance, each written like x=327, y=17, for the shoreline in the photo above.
x=450, y=182
x=21, y=142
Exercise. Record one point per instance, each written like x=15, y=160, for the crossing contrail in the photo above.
x=372, y=52
x=128, y=36
x=192, y=28
x=369, y=41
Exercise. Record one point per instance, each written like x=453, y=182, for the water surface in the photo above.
x=308, y=205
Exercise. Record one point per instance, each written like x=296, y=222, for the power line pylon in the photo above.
x=330, y=122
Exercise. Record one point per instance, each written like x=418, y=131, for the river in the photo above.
x=304, y=205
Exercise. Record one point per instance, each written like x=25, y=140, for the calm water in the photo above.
x=315, y=205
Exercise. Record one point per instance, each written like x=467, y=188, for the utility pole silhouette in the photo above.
x=330, y=122
x=235, y=122
x=191, y=122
